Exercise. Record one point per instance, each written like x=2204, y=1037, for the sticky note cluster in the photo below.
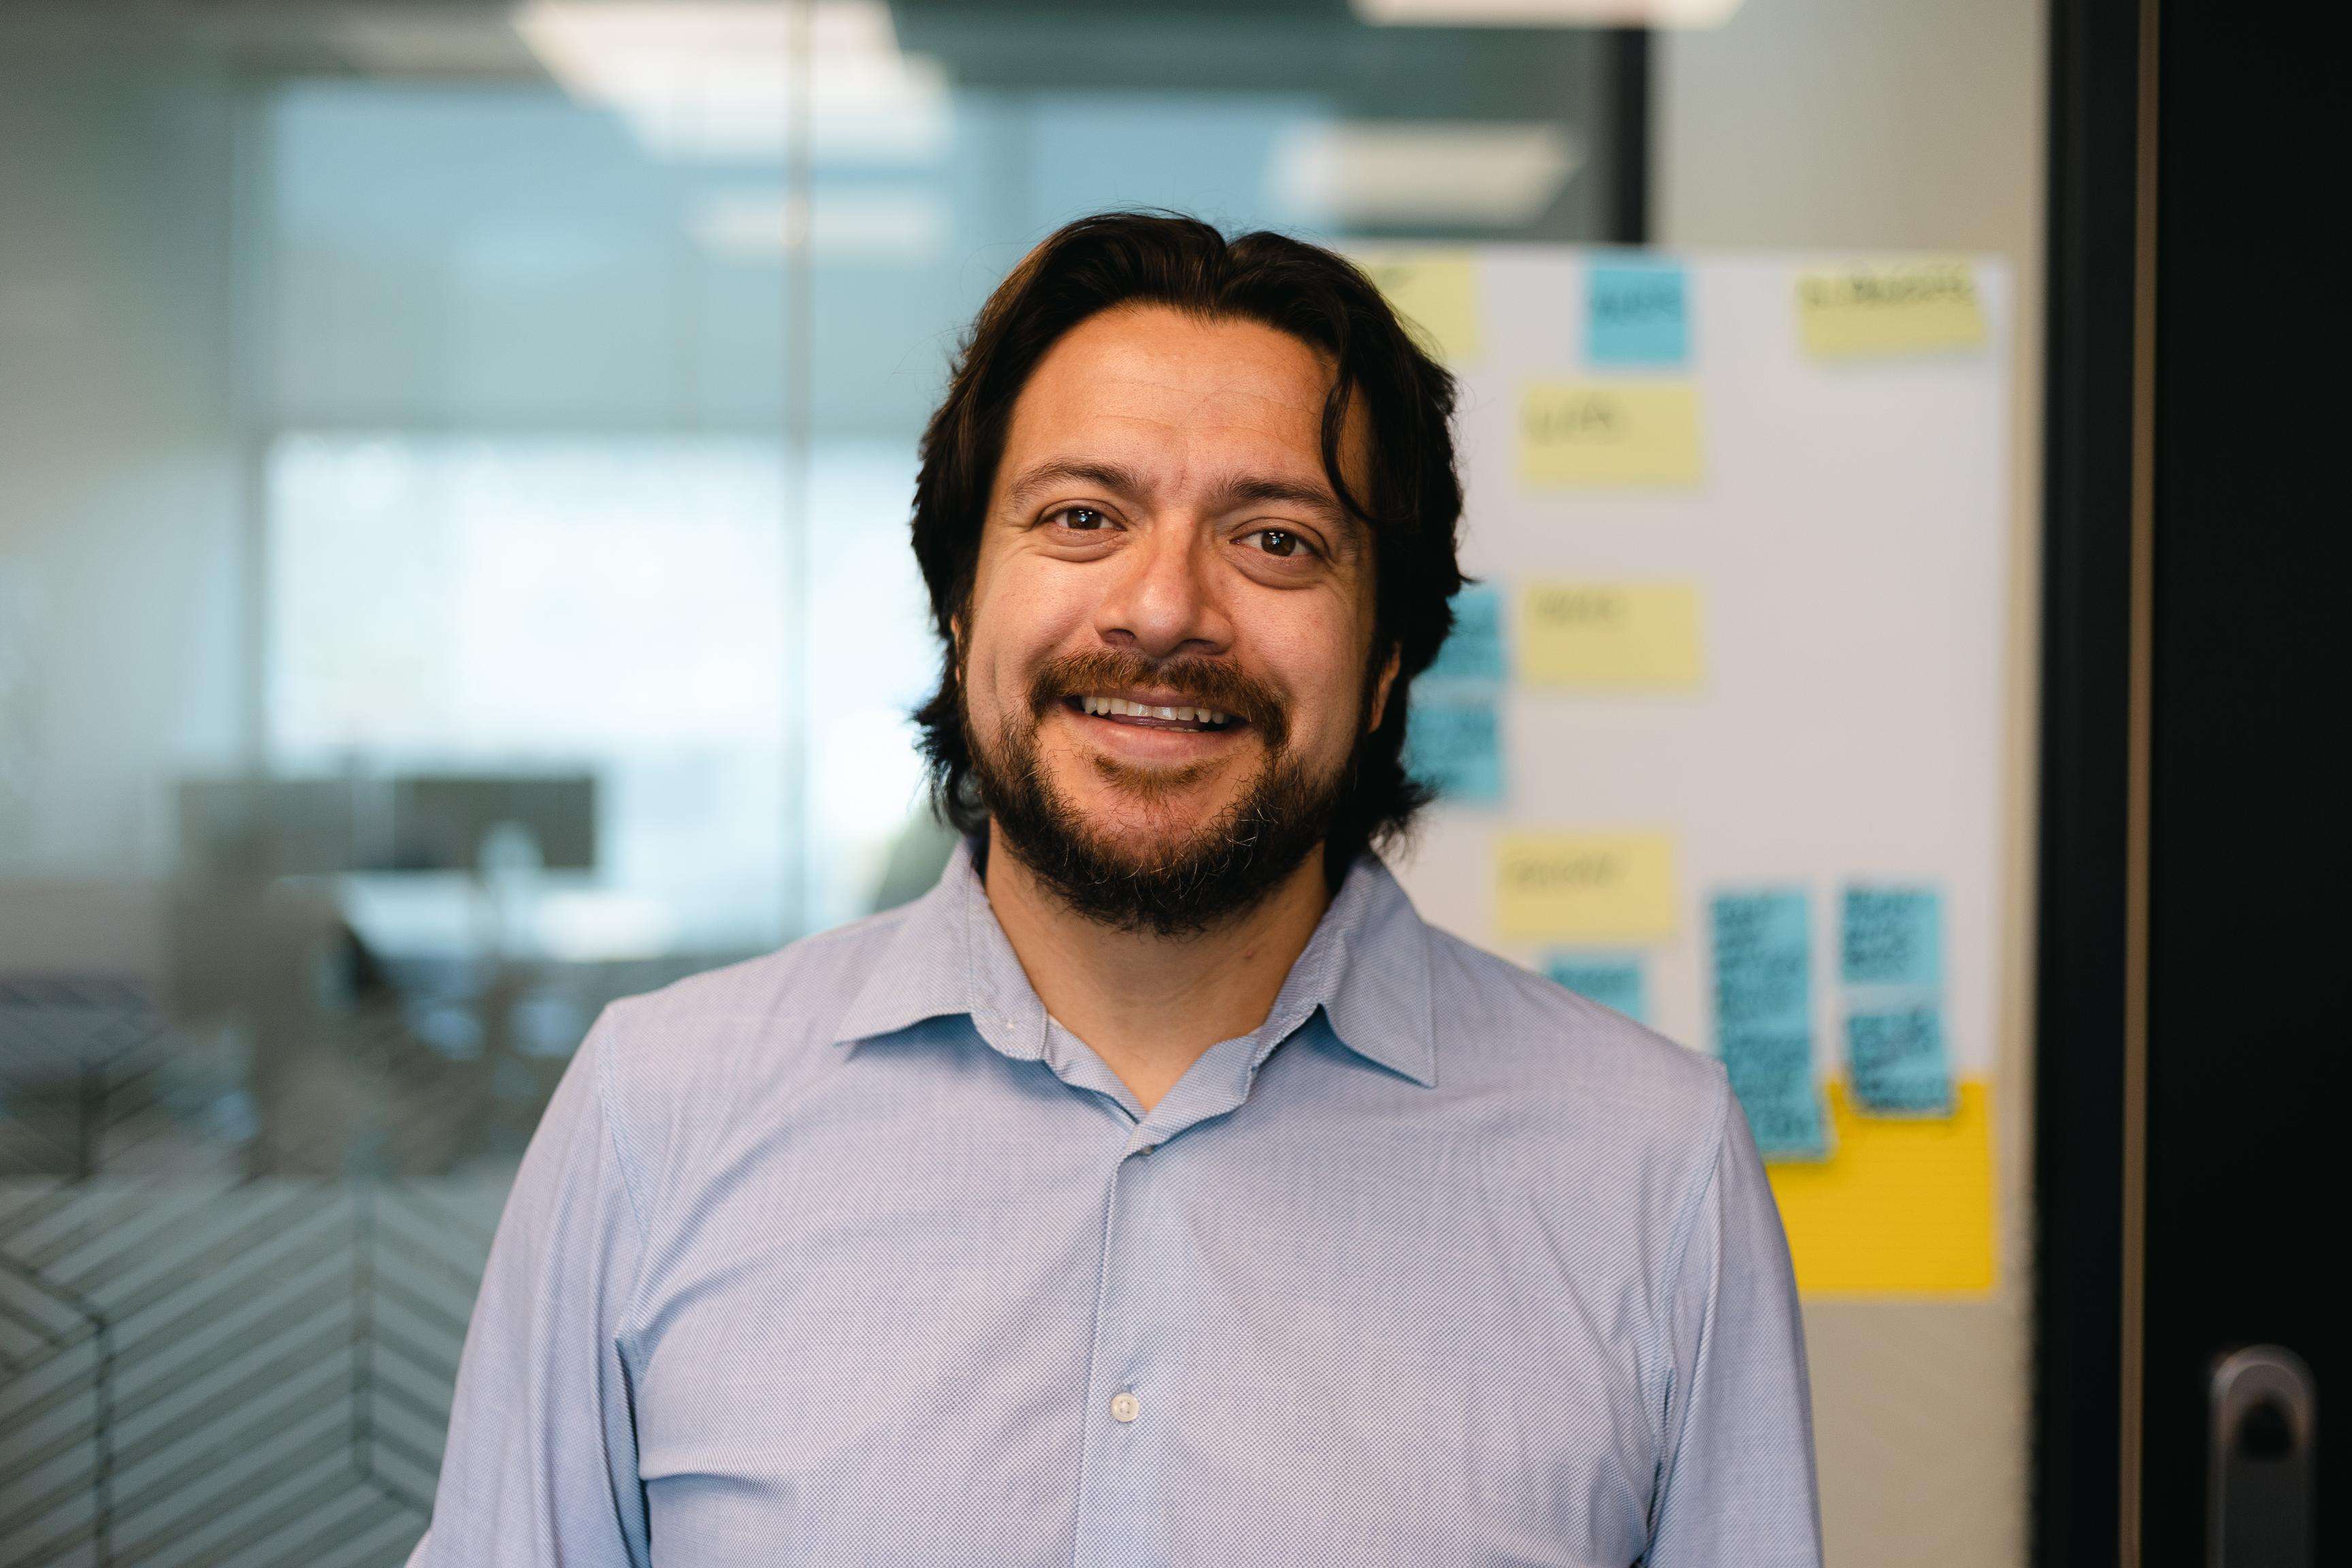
x=1454, y=738
x=1764, y=1016
x=1885, y=309
x=1891, y=959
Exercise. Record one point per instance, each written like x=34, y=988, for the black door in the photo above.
x=2196, y=981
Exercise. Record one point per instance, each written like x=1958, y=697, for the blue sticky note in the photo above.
x=1612, y=980
x=1896, y=1061
x=1891, y=936
x=1637, y=313
x=1763, y=958
x=1474, y=650
x=1454, y=744
x=1771, y=1074
x=1763, y=944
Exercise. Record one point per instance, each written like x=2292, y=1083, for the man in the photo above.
x=1157, y=1189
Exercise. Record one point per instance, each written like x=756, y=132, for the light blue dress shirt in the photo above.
x=851, y=1255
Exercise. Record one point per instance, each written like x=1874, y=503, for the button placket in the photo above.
x=1115, y=1488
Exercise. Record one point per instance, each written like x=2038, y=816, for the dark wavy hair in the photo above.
x=1412, y=506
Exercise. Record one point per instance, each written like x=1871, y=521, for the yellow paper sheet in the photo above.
x=1639, y=635
x=1902, y=1206
x=1585, y=887
x=1889, y=308
x=1436, y=291
x=1604, y=433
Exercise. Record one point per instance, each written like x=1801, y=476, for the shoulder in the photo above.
x=796, y=991
x=681, y=1063
x=1507, y=1023
x=1590, y=1080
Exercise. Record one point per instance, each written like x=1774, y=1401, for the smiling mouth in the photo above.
x=1154, y=716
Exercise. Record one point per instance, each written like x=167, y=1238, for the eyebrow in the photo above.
x=1116, y=478
x=1251, y=489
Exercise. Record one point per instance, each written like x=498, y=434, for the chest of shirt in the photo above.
x=907, y=1334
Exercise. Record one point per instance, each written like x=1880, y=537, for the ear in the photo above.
x=1380, y=689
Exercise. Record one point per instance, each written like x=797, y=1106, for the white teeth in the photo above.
x=1116, y=707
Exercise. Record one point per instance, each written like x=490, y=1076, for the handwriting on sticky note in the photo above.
x=1610, y=635
x=1897, y=1062
x=1454, y=744
x=1636, y=313
x=1891, y=936
x=1763, y=949
x=1585, y=887
x=1436, y=292
x=1889, y=308
x=1763, y=958
x=1473, y=651
x=1771, y=1074
x=1607, y=433
x=1612, y=980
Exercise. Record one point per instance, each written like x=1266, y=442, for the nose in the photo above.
x=1162, y=600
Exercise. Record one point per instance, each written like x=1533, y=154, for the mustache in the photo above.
x=1200, y=683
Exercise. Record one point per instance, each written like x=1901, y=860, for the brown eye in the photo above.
x=1084, y=519
x=1279, y=542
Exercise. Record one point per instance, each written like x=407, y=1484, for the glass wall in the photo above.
x=454, y=470
x=454, y=461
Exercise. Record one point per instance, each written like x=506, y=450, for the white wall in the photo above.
x=1903, y=124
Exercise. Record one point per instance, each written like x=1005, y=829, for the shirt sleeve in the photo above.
x=541, y=1469
x=1736, y=1482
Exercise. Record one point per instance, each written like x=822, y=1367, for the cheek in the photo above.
x=1318, y=658
x=1018, y=622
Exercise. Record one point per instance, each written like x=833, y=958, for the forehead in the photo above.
x=1148, y=382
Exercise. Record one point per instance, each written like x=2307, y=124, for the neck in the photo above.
x=1150, y=1005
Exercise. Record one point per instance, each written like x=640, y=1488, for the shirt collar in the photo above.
x=1367, y=967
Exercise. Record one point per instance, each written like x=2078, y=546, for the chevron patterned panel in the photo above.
x=213, y=1373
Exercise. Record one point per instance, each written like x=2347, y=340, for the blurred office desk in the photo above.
x=496, y=981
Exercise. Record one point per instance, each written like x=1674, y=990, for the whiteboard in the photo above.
x=1848, y=536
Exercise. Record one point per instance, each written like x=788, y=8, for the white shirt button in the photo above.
x=1125, y=1406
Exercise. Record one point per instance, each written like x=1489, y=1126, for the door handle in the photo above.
x=2265, y=1424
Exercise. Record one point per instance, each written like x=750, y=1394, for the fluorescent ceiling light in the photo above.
x=1546, y=12
x=715, y=78
x=868, y=226
x=1407, y=171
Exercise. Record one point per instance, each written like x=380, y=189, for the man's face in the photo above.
x=1161, y=541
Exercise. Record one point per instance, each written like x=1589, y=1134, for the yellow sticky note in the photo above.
x=1585, y=887
x=1608, y=633
x=1609, y=433
x=1435, y=291
x=1902, y=1206
x=1889, y=308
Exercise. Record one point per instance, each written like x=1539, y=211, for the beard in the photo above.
x=1204, y=877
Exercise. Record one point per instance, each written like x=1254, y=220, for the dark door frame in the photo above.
x=2091, y=941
